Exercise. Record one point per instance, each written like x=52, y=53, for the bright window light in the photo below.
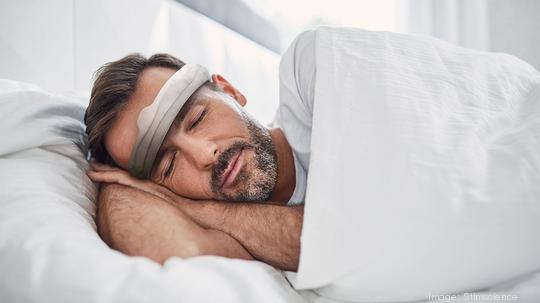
x=292, y=17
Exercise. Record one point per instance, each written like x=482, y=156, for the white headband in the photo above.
x=155, y=120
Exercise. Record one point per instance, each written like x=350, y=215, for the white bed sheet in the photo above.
x=526, y=289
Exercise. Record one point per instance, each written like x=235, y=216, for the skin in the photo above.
x=267, y=231
x=141, y=224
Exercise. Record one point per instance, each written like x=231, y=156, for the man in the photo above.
x=177, y=148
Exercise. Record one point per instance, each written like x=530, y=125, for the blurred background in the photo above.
x=58, y=44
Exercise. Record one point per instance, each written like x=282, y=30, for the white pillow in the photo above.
x=49, y=248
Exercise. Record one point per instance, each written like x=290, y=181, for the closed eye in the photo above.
x=170, y=167
x=199, y=119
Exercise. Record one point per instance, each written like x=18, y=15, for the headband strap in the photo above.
x=155, y=120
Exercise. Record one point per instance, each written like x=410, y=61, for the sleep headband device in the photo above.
x=155, y=120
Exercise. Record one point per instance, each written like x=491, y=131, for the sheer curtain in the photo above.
x=493, y=25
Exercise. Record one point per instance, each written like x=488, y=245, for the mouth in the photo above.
x=233, y=169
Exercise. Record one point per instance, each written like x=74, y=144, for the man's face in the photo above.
x=213, y=150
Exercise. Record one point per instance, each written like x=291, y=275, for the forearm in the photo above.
x=141, y=224
x=271, y=233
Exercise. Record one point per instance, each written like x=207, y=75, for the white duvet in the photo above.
x=424, y=174
x=49, y=248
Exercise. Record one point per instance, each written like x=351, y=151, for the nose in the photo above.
x=201, y=151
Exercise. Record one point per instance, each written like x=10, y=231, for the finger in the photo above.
x=95, y=176
x=101, y=176
x=119, y=177
x=92, y=174
x=103, y=167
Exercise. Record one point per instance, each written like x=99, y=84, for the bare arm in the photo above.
x=271, y=233
x=141, y=224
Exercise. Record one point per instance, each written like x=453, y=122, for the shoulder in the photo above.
x=297, y=71
x=302, y=47
x=304, y=39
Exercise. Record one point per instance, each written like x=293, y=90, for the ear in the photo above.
x=229, y=89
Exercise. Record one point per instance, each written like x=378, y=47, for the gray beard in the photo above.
x=257, y=184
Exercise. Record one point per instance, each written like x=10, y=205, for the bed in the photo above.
x=50, y=250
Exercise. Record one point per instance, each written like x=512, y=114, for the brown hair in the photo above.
x=114, y=83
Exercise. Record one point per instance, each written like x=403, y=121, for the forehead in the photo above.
x=120, y=139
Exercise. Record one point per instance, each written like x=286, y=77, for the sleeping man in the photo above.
x=186, y=171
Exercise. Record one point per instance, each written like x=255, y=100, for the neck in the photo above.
x=286, y=173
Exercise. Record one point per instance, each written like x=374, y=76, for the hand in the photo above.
x=103, y=173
